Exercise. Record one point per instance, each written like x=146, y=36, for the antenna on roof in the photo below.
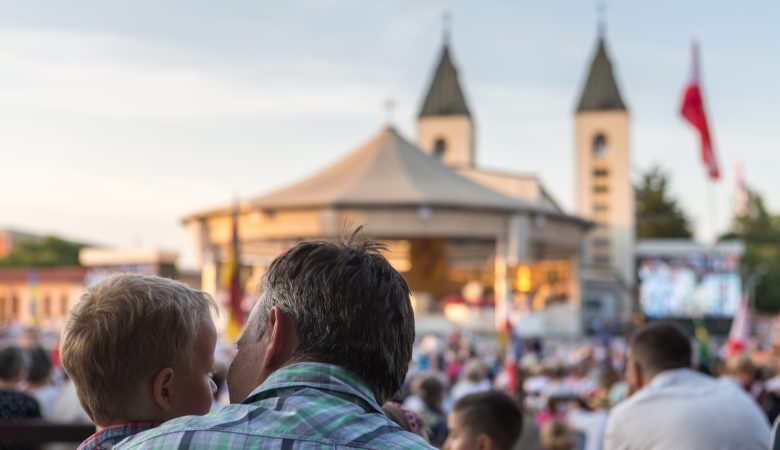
x=389, y=109
x=446, y=25
x=601, y=18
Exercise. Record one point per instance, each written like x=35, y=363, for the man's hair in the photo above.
x=11, y=362
x=350, y=306
x=40, y=365
x=493, y=413
x=557, y=435
x=122, y=331
x=661, y=346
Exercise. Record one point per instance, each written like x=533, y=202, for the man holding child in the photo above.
x=327, y=343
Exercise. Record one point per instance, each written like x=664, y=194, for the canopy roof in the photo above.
x=387, y=171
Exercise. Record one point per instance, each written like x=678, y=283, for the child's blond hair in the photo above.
x=122, y=331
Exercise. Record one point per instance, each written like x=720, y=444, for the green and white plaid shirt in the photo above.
x=301, y=406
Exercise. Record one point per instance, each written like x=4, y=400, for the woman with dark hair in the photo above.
x=39, y=383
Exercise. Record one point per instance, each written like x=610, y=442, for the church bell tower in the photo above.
x=445, y=127
x=604, y=191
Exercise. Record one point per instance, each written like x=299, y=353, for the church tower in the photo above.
x=445, y=128
x=603, y=184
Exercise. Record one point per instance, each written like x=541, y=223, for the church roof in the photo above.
x=601, y=92
x=387, y=171
x=445, y=96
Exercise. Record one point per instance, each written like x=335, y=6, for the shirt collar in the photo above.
x=673, y=376
x=115, y=433
x=316, y=375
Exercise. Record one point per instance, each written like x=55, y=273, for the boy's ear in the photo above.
x=161, y=388
x=484, y=442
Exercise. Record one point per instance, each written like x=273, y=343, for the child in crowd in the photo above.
x=485, y=421
x=139, y=350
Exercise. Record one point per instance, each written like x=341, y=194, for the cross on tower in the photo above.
x=601, y=17
x=389, y=109
x=446, y=22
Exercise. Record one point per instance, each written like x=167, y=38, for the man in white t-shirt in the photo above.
x=674, y=407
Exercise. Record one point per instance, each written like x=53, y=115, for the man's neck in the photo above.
x=8, y=385
x=121, y=423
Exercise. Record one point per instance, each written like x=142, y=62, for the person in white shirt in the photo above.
x=591, y=423
x=674, y=407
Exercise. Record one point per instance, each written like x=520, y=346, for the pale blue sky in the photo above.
x=118, y=118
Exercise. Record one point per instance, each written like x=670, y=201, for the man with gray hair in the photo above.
x=675, y=407
x=327, y=343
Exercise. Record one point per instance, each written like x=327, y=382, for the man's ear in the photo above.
x=639, y=376
x=282, y=340
x=161, y=388
x=485, y=442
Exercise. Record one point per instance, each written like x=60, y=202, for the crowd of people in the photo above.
x=329, y=358
x=569, y=390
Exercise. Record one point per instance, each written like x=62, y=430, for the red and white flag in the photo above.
x=692, y=110
x=740, y=330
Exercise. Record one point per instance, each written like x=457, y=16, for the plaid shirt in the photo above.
x=108, y=437
x=301, y=406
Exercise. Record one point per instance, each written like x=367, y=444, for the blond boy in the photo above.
x=139, y=350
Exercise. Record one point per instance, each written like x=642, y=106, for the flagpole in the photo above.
x=712, y=207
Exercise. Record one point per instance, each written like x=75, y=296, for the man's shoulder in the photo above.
x=247, y=426
x=198, y=438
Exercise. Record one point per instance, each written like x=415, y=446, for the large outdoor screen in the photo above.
x=689, y=286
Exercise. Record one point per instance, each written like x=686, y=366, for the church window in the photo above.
x=598, y=173
x=599, y=145
x=63, y=305
x=601, y=243
x=46, y=307
x=15, y=307
x=600, y=189
x=439, y=148
x=592, y=304
x=601, y=260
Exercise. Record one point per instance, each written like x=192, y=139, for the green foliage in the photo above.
x=657, y=214
x=46, y=252
x=760, y=231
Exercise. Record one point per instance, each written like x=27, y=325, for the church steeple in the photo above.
x=601, y=92
x=445, y=128
x=445, y=96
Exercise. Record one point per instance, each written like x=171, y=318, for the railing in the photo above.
x=35, y=431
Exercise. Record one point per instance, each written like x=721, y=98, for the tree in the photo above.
x=657, y=213
x=47, y=252
x=760, y=231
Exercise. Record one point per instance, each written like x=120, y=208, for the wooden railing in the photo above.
x=35, y=431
